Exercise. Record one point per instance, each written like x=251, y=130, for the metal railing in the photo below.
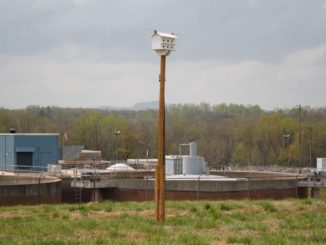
x=23, y=169
x=279, y=169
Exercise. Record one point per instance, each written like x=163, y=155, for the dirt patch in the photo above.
x=223, y=231
x=10, y=215
x=103, y=214
x=289, y=206
x=118, y=213
x=219, y=243
x=273, y=224
x=171, y=212
x=133, y=235
x=75, y=215
x=254, y=209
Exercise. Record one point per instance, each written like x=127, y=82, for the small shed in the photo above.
x=28, y=152
x=90, y=155
x=71, y=153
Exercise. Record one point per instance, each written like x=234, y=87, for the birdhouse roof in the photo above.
x=162, y=34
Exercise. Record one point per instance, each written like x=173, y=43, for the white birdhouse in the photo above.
x=163, y=43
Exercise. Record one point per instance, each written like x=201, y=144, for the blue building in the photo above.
x=28, y=151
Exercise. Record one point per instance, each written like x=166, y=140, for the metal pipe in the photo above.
x=198, y=190
x=5, y=153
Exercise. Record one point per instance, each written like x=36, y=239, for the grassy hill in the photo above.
x=187, y=222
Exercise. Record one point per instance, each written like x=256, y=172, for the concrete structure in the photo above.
x=314, y=182
x=25, y=189
x=185, y=164
x=30, y=152
x=173, y=165
x=186, y=179
x=273, y=186
x=77, y=155
x=71, y=152
x=120, y=167
x=90, y=155
x=192, y=164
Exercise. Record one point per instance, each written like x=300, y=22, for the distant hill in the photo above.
x=136, y=107
x=145, y=105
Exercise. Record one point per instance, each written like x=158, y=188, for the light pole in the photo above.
x=310, y=127
x=117, y=133
x=162, y=44
x=286, y=137
x=300, y=136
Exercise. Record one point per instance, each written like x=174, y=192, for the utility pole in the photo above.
x=163, y=44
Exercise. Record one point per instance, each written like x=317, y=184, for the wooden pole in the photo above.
x=157, y=192
x=160, y=170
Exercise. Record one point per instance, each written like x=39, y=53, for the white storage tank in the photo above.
x=321, y=164
x=185, y=164
x=193, y=149
x=173, y=165
x=193, y=165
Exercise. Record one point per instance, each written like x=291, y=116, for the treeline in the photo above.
x=226, y=134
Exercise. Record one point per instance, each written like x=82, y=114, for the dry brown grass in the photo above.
x=15, y=214
x=273, y=224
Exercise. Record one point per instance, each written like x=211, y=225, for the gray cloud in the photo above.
x=209, y=29
x=59, y=52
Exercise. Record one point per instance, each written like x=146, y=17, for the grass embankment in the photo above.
x=187, y=222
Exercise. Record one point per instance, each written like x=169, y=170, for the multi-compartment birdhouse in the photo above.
x=163, y=43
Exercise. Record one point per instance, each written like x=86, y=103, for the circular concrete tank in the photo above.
x=29, y=189
x=227, y=185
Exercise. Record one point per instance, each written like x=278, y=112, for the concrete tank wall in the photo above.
x=254, y=175
x=143, y=189
x=16, y=190
x=69, y=193
x=142, y=195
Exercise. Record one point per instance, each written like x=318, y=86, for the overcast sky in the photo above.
x=91, y=53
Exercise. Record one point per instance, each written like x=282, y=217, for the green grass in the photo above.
x=187, y=222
